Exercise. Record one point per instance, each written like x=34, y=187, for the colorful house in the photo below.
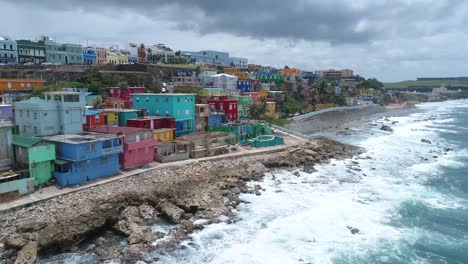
x=94, y=118
x=126, y=114
x=112, y=116
x=84, y=157
x=8, y=85
x=244, y=86
x=241, y=75
x=244, y=105
x=63, y=53
x=152, y=122
x=209, y=92
x=89, y=56
x=224, y=81
x=30, y=51
x=6, y=150
x=101, y=56
x=6, y=112
x=8, y=50
x=216, y=118
x=36, y=156
x=271, y=109
x=164, y=134
x=278, y=79
x=230, y=107
x=138, y=145
x=179, y=106
x=255, y=95
x=125, y=94
x=60, y=112
x=115, y=103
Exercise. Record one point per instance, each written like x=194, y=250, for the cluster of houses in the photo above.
x=45, y=50
x=62, y=137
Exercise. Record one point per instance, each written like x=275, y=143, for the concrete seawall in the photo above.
x=332, y=119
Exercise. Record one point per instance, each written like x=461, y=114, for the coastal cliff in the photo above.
x=188, y=198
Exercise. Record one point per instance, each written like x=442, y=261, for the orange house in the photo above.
x=20, y=84
x=115, y=103
x=242, y=75
x=291, y=72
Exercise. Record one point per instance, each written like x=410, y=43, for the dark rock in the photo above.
x=353, y=230
x=386, y=128
x=297, y=174
x=426, y=141
x=15, y=242
x=146, y=212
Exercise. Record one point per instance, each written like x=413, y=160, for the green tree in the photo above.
x=98, y=103
x=323, y=92
x=122, y=85
x=257, y=109
x=370, y=83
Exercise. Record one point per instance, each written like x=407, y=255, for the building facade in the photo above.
x=163, y=53
x=6, y=113
x=241, y=63
x=335, y=73
x=101, y=56
x=8, y=50
x=138, y=145
x=85, y=157
x=142, y=54
x=224, y=81
x=6, y=149
x=229, y=107
x=89, y=56
x=58, y=113
x=36, y=156
x=179, y=106
x=31, y=51
x=63, y=54
x=204, y=57
x=124, y=94
x=19, y=85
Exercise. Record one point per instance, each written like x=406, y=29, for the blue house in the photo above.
x=179, y=106
x=84, y=157
x=89, y=56
x=244, y=86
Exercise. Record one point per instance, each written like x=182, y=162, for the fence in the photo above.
x=305, y=116
x=290, y=132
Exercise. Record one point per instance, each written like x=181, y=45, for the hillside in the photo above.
x=425, y=84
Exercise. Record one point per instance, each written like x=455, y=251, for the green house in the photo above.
x=244, y=103
x=34, y=155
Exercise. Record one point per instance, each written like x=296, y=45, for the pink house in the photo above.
x=101, y=56
x=125, y=94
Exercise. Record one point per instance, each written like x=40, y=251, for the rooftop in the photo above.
x=150, y=118
x=163, y=94
x=118, y=130
x=26, y=142
x=213, y=89
x=79, y=138
x=116, y=110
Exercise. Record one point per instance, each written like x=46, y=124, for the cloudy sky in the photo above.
x=390, y=40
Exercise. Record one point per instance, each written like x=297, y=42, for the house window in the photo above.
x=138, y=99
x=35, y=115
x=166, y=99
x=97, y=118
x=147, y=99
x=35, y=131
x=91, y=147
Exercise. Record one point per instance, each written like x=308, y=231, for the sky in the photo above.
x=391, y=40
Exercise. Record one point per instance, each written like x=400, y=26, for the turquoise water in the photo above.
x=408, y=199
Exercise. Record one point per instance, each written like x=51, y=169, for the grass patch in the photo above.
x=429, y=84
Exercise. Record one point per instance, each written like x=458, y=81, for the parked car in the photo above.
x=47, y=63
x=29, y=63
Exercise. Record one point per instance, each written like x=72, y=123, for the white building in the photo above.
x=238, y=62
x=205, y=77
x=224, y=81
x=165, y=53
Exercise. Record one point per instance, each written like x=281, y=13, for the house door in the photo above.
x=66, y=59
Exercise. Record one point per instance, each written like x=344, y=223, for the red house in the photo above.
x=152, y=122
x=94, y=119
x=125, y=94
x=138, y=145
x=229, y=107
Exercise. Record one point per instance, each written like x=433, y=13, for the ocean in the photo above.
x=402, y=201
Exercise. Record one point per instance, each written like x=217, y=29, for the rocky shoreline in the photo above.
x=189, y=198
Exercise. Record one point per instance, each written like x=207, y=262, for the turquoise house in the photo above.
x=36, y=156
x=179, y=106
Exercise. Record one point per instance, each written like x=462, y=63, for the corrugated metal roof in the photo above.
x=26, y=142
x=93, y=112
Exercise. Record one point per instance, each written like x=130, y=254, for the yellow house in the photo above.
x=163, y=134
x=208, y=92
x=112, y=117
x=112, y=57
x=123, y=59
x=242, y=75
x=263, y=93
